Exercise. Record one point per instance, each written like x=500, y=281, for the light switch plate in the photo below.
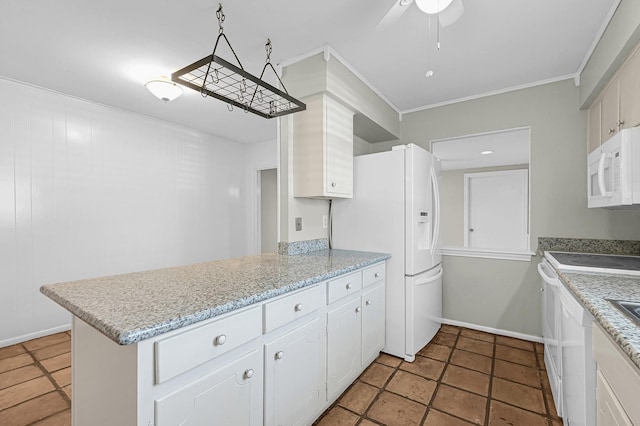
x=298, y=224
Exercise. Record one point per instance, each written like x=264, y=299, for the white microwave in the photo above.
x=614, y=171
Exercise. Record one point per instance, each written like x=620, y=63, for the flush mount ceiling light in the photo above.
x=448, y=11
x=487, y=152
x=432, y=6
x=164, y=89
x=215, y=77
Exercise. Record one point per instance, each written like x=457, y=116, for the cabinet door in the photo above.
x=292, y=376
x=230, y=396
x=339, y=149
x=372, y=323
x=610, y=412
x=594, y=120
x=610, y=110
x=344, y=345
x=630, y=92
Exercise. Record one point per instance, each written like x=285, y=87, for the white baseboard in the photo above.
x=41, y=333
x=500, y=332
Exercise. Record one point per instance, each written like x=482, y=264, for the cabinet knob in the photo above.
x=248, y=373
x=376, y=275
x=610, y=131
x=348, y=286
x=358, y=309
x=219, y=341
x=298, y=307
x=368, y=302
x=620, y=123
x=333, y=184
x=279, y=355
x=541, y=290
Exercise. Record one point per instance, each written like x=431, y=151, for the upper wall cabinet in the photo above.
x=323, y=149
x=618, y=106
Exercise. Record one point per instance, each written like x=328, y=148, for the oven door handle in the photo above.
x=549, y=279
x=601, y=181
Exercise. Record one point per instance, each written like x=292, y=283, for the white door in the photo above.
x=292, y=377
x=421, y=211
x=268, y=210
x=343, y=345
x=423, y=310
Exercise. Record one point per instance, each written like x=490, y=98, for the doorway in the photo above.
x=268, y=210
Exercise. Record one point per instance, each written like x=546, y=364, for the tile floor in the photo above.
x=462, y=377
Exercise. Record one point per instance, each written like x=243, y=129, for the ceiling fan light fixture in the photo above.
x=164, y=89
x=433, y=6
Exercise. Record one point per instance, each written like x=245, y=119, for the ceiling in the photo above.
x=105, y=51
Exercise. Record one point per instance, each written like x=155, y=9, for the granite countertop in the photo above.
x=592, y=290
x=132, y=307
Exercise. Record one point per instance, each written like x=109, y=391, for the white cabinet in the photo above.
x=344, y=345
x=230, y=396
x=618, y=381
x=323, y=149
x=293, y=376
x=373, y=322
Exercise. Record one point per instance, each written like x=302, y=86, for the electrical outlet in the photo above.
x=325, y=221
x=298, y=224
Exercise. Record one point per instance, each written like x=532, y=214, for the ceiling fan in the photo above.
x=448, y=11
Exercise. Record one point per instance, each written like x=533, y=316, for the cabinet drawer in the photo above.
x=182, y=352
x=373, y=274
x=279, y=312
x=343, y=286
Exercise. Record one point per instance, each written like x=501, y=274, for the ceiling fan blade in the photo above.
x=451, y=13
x=396, y=11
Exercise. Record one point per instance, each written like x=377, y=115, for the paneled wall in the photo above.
x=87, y=190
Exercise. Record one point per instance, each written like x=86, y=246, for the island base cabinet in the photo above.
x=231, y=396
x=293, y=377
x=344, y=346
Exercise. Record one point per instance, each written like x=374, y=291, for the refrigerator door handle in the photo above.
x=436, y=193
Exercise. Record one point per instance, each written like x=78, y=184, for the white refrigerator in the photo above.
x=395, y=209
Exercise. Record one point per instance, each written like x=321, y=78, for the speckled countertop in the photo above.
x=592, y=290
x=132, y=307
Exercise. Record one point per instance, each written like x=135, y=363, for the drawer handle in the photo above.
x=348, y=286
x=298, y=307
x=358, y=309
x=333, y=184
x=220, y=340
x=279, y=355
x=376, y=275
x=248, y=373
x=368, y=302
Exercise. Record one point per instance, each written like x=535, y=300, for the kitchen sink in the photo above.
x=630, y=309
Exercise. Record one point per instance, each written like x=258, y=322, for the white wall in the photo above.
x=87, y=190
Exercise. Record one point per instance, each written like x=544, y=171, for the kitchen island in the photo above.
x=253, y=340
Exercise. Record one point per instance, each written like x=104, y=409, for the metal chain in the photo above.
x=267, y=47
x=220, y=16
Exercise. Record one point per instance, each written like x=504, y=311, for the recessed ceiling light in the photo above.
x=487, y=152
x=429, y=73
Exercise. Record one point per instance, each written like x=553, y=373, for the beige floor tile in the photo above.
x=436, y=351
x=67, y=391
x=539, y=347
x=517, y=373
x=425, y=367
x=366, y=422
x=551, y=406
x=520, y=395
x=466, y=379
x=377, y=374
x=478, y=335
x=501, y=414
x=437, y=418
x=359, y=397
x=34, y=410
x=411, y=386
x=460, y=403
x=11, y=363
x=452, y=329
x=57, y=362
x=11, y=351
x=338, y=416
x=516, y=355
x=19, y=375
x=446, y=339
x=472, y=361
x=541, y=364
x=42, y=342
x=60, y=419
x=16, y=394
x=52, y=351
x=389, y=360
x=393, y=410
x=476, y=346
x=515, y=343
x=62, y=377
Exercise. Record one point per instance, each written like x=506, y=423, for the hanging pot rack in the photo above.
x=221, y=79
